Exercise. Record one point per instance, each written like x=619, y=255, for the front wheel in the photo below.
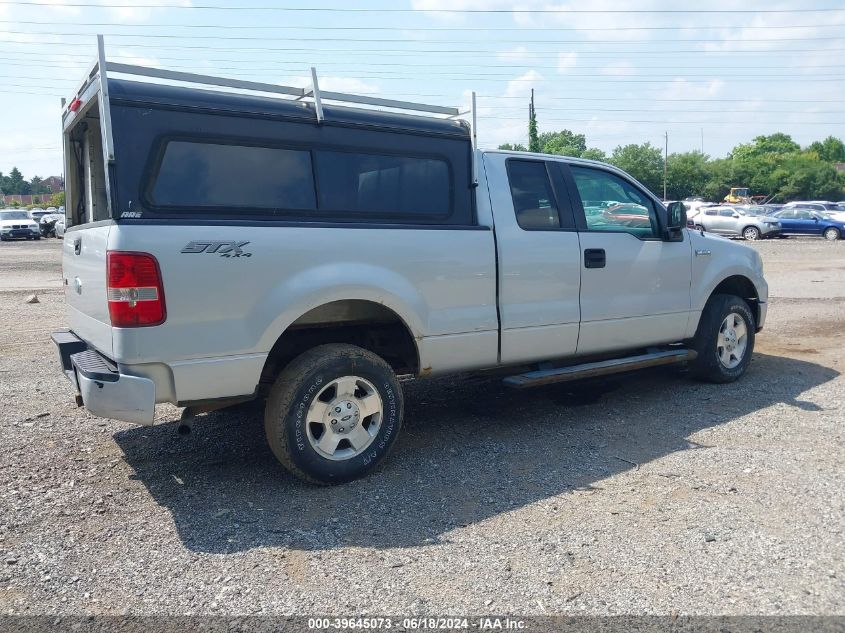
x=751, y=233
x=333, y=413
x=831, y=234
x=724, y=340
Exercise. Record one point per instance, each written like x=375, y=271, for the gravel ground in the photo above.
x=645, y=494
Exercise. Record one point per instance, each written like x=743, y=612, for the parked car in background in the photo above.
x=800, y=221
x=36, y=214
x=59, y=228
x=837, y=212
x=821, y=206
x=18, y=225
x=633, y=215
x=47, y=224
x=737, y=222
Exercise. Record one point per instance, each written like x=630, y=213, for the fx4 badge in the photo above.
x=224, y=249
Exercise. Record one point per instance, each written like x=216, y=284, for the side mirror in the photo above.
x=735, y=215
x=676, y=219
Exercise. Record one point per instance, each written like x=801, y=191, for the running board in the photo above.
x=600, y=368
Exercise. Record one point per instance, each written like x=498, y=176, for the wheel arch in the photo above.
x=371, y=325
x=742, y=287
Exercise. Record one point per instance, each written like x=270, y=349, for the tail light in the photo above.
x=135, y=292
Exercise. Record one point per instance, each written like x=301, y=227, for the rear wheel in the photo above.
x=724, y=340
x=831, y=234
x=751, y=233
x=333, y=413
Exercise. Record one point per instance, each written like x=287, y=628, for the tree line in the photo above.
x=15, y=183
x=773, y=166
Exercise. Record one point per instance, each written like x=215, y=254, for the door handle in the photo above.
x=77, y=246
x=594, y=258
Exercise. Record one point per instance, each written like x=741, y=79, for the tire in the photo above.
x=710, y=364
x=751, y=233
x=301, y=409
x=37, y=237
x=832, y=234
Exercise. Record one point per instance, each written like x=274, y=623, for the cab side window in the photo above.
x=726, y=213
x=533, y=198
x=612, y=204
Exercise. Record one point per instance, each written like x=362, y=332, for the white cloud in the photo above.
x=565, y=61
x=522, y=85
x=128, y=57
x=129, y=11
x=334, y=84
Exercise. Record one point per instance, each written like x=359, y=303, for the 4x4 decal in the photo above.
x=224, y=249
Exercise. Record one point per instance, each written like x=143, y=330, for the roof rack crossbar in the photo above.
x=174, y=75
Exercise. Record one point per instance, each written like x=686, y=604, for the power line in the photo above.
x=388, y=40
x=427, y=29
x=413, y=52
x=417, y=11
x=281, y=65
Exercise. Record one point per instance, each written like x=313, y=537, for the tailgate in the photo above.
x=84, y=272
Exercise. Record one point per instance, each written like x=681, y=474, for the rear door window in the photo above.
x=210, y=175
x=533, y=198
x=378, y=184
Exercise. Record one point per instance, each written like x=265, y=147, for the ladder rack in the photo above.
x=101, y=67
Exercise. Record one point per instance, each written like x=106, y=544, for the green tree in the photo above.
x=831, y=150
x=644, y=162
x=58, y=199
x=594, y=153
x=513, y=147
x=563, y=143
x=37, y=185
x=533, y=139
x=16, y=183
x=778, y=143
x=686, y=175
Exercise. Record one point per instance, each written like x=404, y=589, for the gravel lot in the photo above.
x=645, y=494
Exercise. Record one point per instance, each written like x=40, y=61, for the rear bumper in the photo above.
x=100, y=387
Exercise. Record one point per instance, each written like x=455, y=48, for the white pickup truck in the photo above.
x=224, y=247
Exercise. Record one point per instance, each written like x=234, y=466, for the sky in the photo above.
x=618, y=72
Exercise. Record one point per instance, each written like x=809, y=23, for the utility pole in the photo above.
x=665, y=163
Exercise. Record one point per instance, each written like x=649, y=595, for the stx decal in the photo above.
x=224, y=249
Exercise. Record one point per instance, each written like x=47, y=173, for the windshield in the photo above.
x=13, y=215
